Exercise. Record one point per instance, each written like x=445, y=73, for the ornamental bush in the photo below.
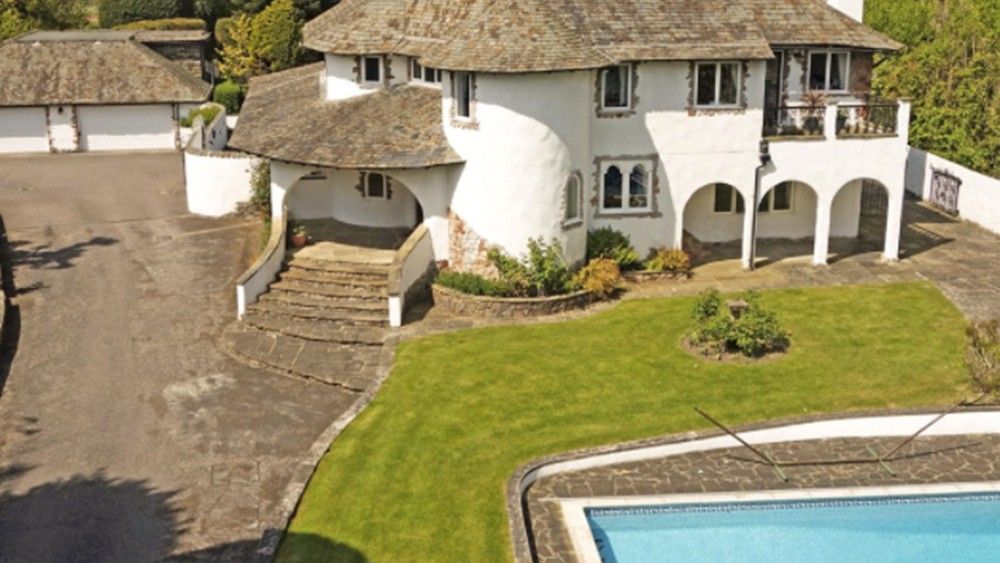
x=207, y=113
x=982, y=359
x=755, y=333
x=169, y=24
x=616, y=245
x=113, y=13
x=668, y=260
x=228, y=95
x=472, y=284
x=601, y=277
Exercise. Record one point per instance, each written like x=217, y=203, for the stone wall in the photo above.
x=467, y=250
x=462, y=304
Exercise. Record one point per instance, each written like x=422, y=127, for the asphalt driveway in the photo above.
x=125, y=434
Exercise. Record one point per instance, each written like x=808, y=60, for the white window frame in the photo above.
x=626, y=167
x=364, y=69
x=574, y=179
x=421, y=76
x=472, y=96
x=629, y=89
x=769, y=200
x=385, y=186
x=718, y=84
x=734, y=199
x=829, y=66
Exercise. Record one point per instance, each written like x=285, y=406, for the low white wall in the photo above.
x=217, y=182
x=258, y=278
x=979, y=194
x=23, y=130
x=413, y=260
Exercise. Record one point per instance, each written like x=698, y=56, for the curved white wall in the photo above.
x=337, y=197
x=217, y=182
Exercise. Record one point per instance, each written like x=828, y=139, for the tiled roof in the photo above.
x=103, y=67
x=543, y=35
x=172, y=36
x=286, y=118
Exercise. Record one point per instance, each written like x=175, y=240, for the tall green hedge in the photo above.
x=118, y=12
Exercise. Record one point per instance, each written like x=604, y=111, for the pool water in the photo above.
x=923, y=528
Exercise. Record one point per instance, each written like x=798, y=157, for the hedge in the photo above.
x=168, y=24
x=112, y=13
x=229, y=95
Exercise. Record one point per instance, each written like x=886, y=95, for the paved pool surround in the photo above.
x=964, y=448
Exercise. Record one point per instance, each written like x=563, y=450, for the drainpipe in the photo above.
x=765, y=159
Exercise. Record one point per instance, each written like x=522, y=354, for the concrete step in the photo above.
x=360, y=295
x=349, y=331
x=340, y=267
x=368, y=283
x=345, y=307
x=352, y=366
x=277, y=306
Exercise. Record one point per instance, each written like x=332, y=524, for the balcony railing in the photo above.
x=867, y=120
x=796, y=121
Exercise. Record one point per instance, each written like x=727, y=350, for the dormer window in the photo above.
x=829, y=70
x=371, y=70
x=426, y=74
x=717, y=84
x=616, y=88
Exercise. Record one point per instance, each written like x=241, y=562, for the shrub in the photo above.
x=513, y=275
x=546, y=268
x=208, y=113
x=112, y=13
x=609, y=243
x=668, y=260
x=223, y=31
x=473, y=284
x=982, y=359
x=260, y=189
x=601, y=277
x=755, y=333
x=165, y=24
x=228, y=95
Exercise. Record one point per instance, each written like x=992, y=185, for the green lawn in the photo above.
x=420, y=476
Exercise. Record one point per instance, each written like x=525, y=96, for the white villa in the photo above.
x=494, y=122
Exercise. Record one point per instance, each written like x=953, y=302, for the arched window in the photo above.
x=573, y=199
x=638, y=188
x=613, y=188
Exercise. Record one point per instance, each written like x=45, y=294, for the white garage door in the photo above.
x=23, y=130
x=122, y=128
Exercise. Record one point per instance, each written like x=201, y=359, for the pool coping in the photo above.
x=518, y=522
x=582, y=538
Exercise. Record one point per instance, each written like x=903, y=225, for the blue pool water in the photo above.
x=924, y=528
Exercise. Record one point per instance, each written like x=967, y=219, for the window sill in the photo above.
x=464, y=123
x=572, y=223
x=626, y=213
x=614, y=112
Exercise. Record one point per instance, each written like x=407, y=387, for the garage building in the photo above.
x=91, y=91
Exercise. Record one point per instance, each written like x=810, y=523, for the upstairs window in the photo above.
x=376, y=186
x=616, y=88
x=614, y=197
x=463, y=85
x=371, y=70
x=426, y=74
x=717, y=84
x=829, y=70
x=728, y=199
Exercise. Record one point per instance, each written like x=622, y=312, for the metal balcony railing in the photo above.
x=796, y=121
x=868, y=119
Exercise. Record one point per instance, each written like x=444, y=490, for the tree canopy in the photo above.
x=267, y=42
x=951, y=69
x=20, y=16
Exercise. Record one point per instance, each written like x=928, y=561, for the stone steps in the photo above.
x=292, y=307
x=367, y=284
x=328, y=292
x=350, y=270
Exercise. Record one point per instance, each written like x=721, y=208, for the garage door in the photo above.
x=121, y=128
x=23, y=130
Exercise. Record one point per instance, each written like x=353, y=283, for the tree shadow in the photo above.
x=44, y=257
x=10, y=328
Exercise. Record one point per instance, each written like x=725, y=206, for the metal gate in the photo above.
x=874, y=199
x=944, y=191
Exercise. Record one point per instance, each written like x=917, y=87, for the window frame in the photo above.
x=734, y=200
x=367, y=186
x=629, y=89
x=828, y=55
x=766, y=205
x=364, y=69
x=456, y=102
x=627, y=168
x=575, y=178
x=424, y=71
x=717, y=104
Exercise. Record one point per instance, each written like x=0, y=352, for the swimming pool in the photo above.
x=940, y=527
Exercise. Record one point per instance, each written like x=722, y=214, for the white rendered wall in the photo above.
x=433, y=188
x=62, y=128
x=531, y=133
x=23, y=130
x=853, y=8
x=979, y=194
x=126, y=127
x=217, y=182
x=341, y=79
x=337, y=197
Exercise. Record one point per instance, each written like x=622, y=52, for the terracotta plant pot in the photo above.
x=299, y=240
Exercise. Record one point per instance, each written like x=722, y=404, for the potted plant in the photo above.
x=300, y=236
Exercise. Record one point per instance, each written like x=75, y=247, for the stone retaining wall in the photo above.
x=644, y=276
x=463, y=304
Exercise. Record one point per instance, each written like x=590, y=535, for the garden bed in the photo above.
x=467, y=305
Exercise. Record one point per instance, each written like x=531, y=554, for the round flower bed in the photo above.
x=467, y=305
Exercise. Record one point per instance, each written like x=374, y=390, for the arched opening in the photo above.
x=859, y=221
x=713, y=223
x=786, y=222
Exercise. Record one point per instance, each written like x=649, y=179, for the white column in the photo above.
x=748, y=242
x=893, y=226
x=824, y=207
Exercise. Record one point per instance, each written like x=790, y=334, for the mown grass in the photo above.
x=420, y=476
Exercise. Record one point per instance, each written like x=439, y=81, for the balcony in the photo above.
x=838, y=120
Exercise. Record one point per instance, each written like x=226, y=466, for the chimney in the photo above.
x=853, y=8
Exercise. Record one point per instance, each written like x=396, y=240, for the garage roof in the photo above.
x=91, y=68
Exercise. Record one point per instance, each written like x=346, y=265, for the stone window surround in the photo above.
x=612, y=113
x=577, y=221
x=807, y=70
x=411, y=77
x=739, y=108
x=626, y=162
x=362, y=186
x=458, y=121
x=716, y=104
x=386, y=69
